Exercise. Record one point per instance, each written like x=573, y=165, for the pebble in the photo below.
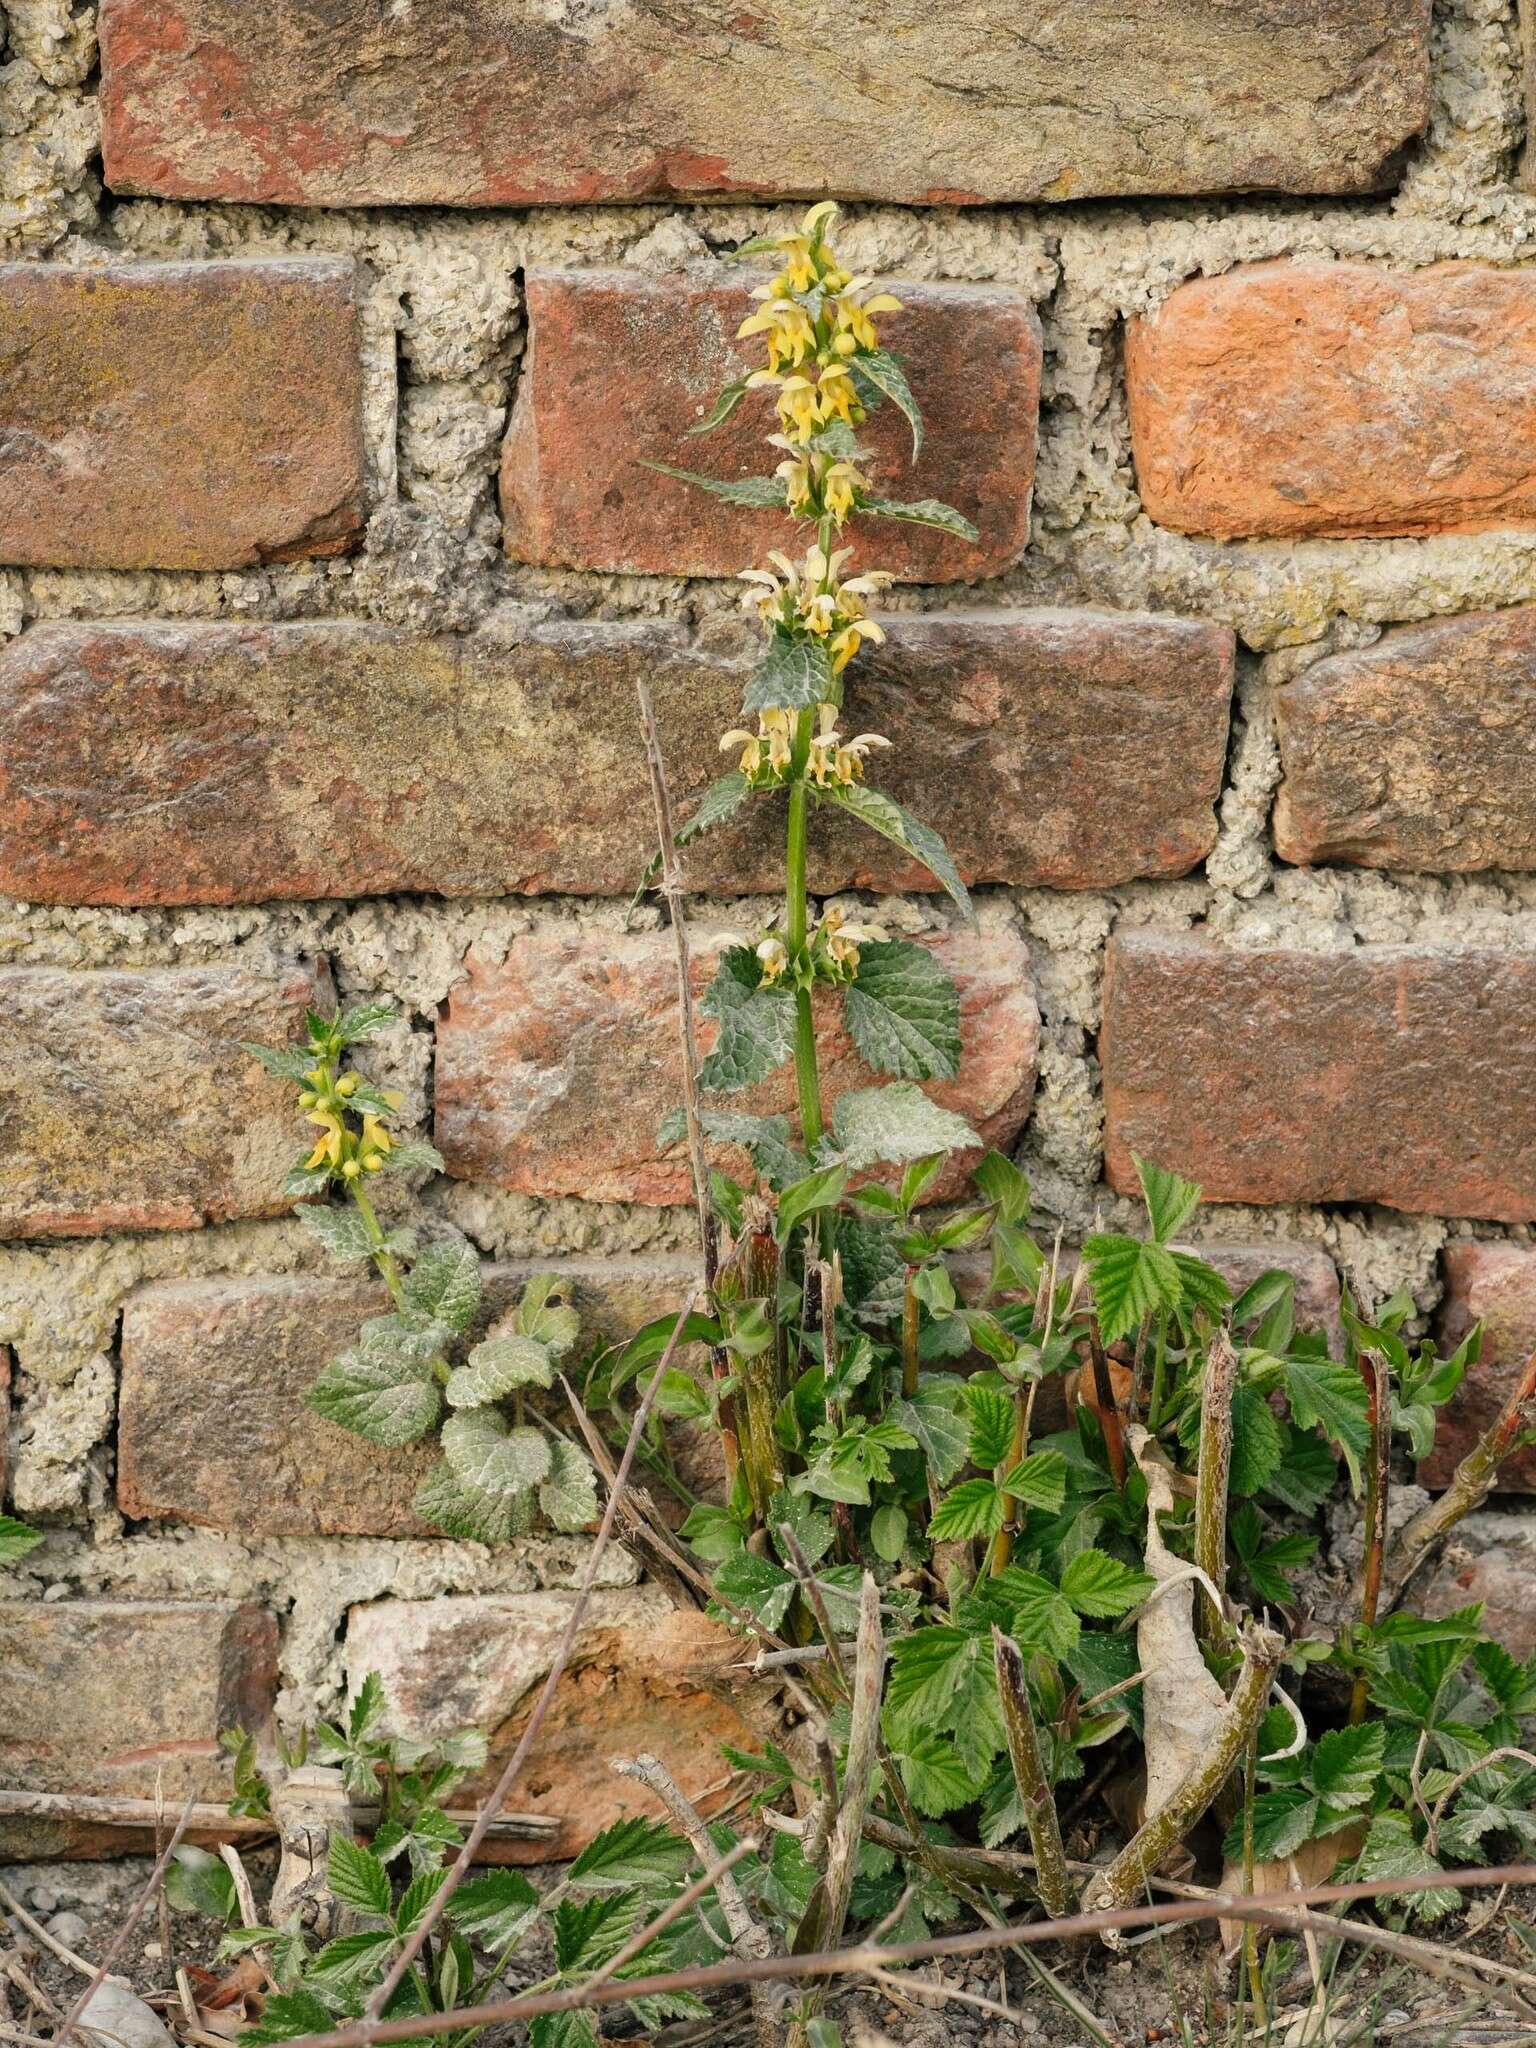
x=69, y=1928
x=44, y=1900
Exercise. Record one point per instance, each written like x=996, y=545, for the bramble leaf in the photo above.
x=495, y=1907
x=357, y=1877
x=16, y=1540
x=1129, y=1279
x=1170, y=1200
x=1327, y=1395
x=973, y=1508
x=635, y=1851
x=1101, y=1587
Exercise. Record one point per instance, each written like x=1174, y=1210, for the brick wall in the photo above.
x=331, y=345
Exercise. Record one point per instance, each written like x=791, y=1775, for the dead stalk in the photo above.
x=1377, y=1481
x=748, y=1939
x=671, y=888
x=1276, y=1909
x=825, y=1915
x=459, y=1869
x=1470, y=1486
x=1056, y=1890
x=1213, y=1475
x=1127, y=1876
x=124, y=1933
x=40, y=1934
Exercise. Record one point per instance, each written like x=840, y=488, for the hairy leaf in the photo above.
x=385, y=1401
x=930, y=1415
x=882, y=814
x=792, y=675
x=469, y=1517
x=903, y=1012
x=762, y=491
x=727, y=402
x=341, y=1230
x=488, y=1456
x=635, y=1851
x=495, y=1907
x=1101, y=1587
x=1347, y=1764
x=569, y=1495
x=923, y=512
x=722, y=800
x=1129, y=1280
x=445, y=1283
x=497, y=1367
x=357, y=1877
x=935, y=1777
x=895, y=1124
x=879, y=375
x=1170, y=1201
x=757, y=1024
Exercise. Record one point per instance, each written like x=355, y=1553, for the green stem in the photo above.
x=389, y=1270
x=807, y=1077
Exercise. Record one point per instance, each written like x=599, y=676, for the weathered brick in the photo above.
x=621, y=364
x=108, y=1697
x=1386, y=1074
x=495, y=104
x=179, y=415
x=556, y=1064
x=1494, y=1284
x=1419, y=752
x=1286, y=399
x=158, y=762
x=644, y=1677
x=127, y=1104
x=212, y=1422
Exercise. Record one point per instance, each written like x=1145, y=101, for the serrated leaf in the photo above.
x=363, y=1020
x=287, y=2016
x=792, y=676
x=1128, y=1279
x=1170, y=1200
x=757, y=1024
x=417, y=1898
x=495, y=1907
x=352, y=1960
x=903, y=1012
x=1258, y=1442
x=1201, y=1286
x=922, y=512
x=1327, y=1395
x=488, y=1456
x=497, y=1367
x=384, y=1400
x=444, y=1502
x=882, y=814
x=722, y=800
x=973, y=1508
x=416, y=1157
x=1305, y=1476
x=574, y=2029
x=288, y=1063
x=1346, y=1764
x=935, y=1776
x=992, y=1421
x=878, y=375
x=357, y=1877
x=16, y=1540
x=588, y=1931
x=1042, y=1616
x=766, y=492
x=1101, y=1587
x=1282, y=1820
x=367, y=1705
x=445, y=1283
x=1391, y=1851
x=631, y=1852
x=342, y=1231
x=569, y=1495
x=757, y=1584
x=1040, y=1481
x=942, y=1434
x=892, y=1125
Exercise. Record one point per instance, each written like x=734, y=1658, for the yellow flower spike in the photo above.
x=818, y=614
x=800, y=407
x=837, y=395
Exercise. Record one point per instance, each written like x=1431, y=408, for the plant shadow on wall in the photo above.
x=1016, y=1532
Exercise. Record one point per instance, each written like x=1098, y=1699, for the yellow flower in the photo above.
x=374, y=1145
x=840, y=487
x=801, y=409
x=840, y=941
x=845, y=645
x=773, y=959
x=332, y=1142
x=852, y=314
x=790, y=329
x=837, y=395
x=799, y=485
x=822, y=764
x=771, y=744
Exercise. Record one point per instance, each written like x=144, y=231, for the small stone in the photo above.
x=44, y=1899
x=69, y=1929
x=120, y=2019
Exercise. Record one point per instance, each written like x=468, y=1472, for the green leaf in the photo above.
x=447, y=1504
x=364, y=1020
x=288, y=1063
x=366, y=1707
x=1040, y=1481
x=765, y=492
x=973, y=1508
x=722, y=800
x=416, y=1157
x=352, y=1960
x=16, y=1540
x=763, y=1588
x=1004, y=1185
x=895, y=1124
x=574, y=2029
x=820, y=1190
x=888, y=1532
x=1329, y=1396
x=1043, y=1618
x=922, y=512
x=445, y=1283
x=792, y=676
x=1129, y=1280
x=1347, y=1764
x=357, y=1877
x=342, y=1231
x=1101, y=1587
x=879, y=375
x=757, y=1024
x=495, y=1908
x=1282, y=1820
x=930, y=1415
x=286, y=2017
x=488, y=1456
x=196, y=1881
x=1391, y=1850
x=546, y=1317
x=935, y=1778
x=387, y=1401
x=1201, y=1285
x=1305, y=1476
x=903, y=1012
x=496, y=1368
x=569, y=1495
x=714, y=1532
x=1170, y=1201
x=589, y=1931
x=724, y=406
x=1258, y=1442
x=882, y=814
x=635, y=1851
x=992, y=1422
x=765, y=1139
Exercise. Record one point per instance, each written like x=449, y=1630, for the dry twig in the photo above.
x=120, y=1940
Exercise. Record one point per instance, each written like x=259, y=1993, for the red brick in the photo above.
x=108, y=1697
x=484, y=104
x=556, y=1065
x=179, y=415
x=644, y=1677
x=1494, y=1284
x=1287, y=399
x=128, y=1104
x=212, y=1422
x=620, y=365
x=1385, y=1074
x=1416, y=753
x=152, y=762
